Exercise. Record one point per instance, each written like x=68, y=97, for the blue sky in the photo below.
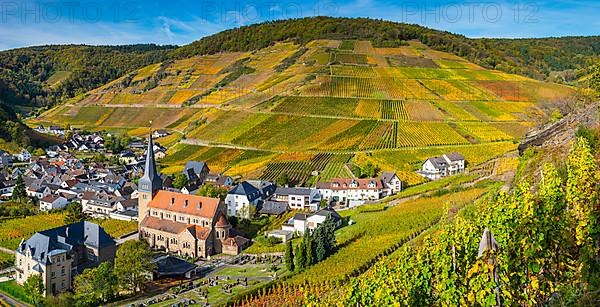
x=38, y=22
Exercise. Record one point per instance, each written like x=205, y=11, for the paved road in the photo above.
x=7, y=299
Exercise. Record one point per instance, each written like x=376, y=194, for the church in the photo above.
x=182, y=224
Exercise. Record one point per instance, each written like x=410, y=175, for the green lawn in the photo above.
x=14, y=290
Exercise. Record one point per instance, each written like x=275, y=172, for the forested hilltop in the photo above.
x=536, y=57
x=41, y=76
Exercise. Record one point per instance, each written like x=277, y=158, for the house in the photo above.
x=38, y=192
x=56, y=130
x=99, y=204
x=298, y=198
x=242, y=199
x=58, y=254
x=266, y=188
x=160, y=154
x=51, y=202
x=301, y=222
x=196, y=171
x=219, y=180
x=160, y=133
x=391, y=182
x=275, y=208
x=352, y=191
x=447, y=165
x=187, y=225
x=128, y=157
x=6, y=187
x=5, y=158
x=23, y=156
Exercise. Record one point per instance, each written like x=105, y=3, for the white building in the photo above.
x=446, y=165
x=391, y=182
x=51, y=202
x=302, y=222
x=346, y=189
x=242, y=199
x=298, y=198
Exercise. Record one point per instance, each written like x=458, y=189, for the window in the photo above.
x=62, y=271
x=53, y=274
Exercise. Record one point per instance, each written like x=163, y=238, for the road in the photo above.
x=133, y=236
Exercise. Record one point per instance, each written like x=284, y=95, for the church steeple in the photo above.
x=150, y=182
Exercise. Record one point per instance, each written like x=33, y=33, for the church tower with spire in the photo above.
x=149, y=184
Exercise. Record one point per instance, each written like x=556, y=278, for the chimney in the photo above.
x=186, y=203
x=172, y=201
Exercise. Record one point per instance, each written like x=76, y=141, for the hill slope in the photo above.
x=294, y=109
x=535, y=58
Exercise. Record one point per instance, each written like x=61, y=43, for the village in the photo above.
x=198, y=223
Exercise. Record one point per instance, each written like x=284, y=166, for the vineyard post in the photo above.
x=488, y=243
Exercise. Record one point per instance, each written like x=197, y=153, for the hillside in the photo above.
x=536, y=58
x=295, y=109
x=41, y=76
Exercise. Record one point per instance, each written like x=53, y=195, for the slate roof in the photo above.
x=247, y=189
x=387, y=176
x=167, y=265
x=273, y=208
x=292, y=191
x=63, y=238
x=329, y=212
x=193, y=168
x=438, y=162
x=454, y=156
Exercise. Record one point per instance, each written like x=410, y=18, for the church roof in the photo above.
x=185, y=203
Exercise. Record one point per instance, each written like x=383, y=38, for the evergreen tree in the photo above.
x=19, y=194
x=300, y=256
x=320, y=249
x=308, y=244
x=289, y=256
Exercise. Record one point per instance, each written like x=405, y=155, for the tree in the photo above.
x=283, y=180
x=320, y=249
x=211, y=190
x=289, y=256
x=180, y=181
x=308, y=244
x=34, y=288
x=38, y=152
x=74, y=213
x=369, y=170
x=300, y=256
x=19, y=194
x=96, y=286
x=133, y=265
x=556, y=116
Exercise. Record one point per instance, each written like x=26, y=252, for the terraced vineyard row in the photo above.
x=485, y=132
x=342, y=107
x=297, y=171
x=381, y=137
x=431, y=134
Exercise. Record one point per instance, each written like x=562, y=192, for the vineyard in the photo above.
x=376, y=233
x=326, y=96
x=299, y=171
x=427, y=134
